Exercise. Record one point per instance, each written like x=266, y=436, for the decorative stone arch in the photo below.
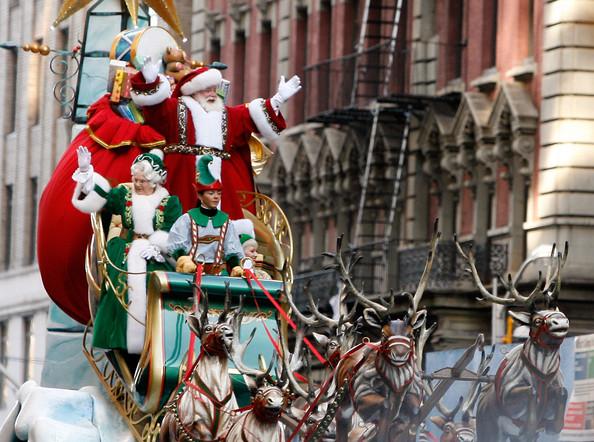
x=328, y=171
x=279, y=178
x=513, y=123
x=301, y=179
x=439, y=162
x=472, y=133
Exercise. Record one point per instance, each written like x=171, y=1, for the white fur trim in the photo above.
x=243, y=227
x=159, y=239
x=162, y=93
x=157, y=152
x=208, y=125
x=136, y=297
x=210, y=78
x=143, y=210
x=93, y=202
x=260, y=120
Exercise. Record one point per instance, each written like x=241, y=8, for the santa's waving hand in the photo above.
x=286, y=89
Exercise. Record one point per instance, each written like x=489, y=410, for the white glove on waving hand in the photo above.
x=150, y=69
x=84, y=173
x=152, y=252
x=286, y=89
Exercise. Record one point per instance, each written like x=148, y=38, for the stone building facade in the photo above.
x=496, y=98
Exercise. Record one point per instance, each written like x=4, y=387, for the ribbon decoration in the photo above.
x=197, y=292
x=250, y=275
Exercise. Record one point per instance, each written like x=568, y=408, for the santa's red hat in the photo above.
x=198, y=80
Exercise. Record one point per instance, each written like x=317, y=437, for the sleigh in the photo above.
x=140, y=387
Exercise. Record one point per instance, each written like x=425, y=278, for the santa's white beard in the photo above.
x=217, y=105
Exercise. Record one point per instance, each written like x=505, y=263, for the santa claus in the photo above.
x=194, y=120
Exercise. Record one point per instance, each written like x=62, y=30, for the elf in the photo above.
x=205, y=234
x=250, y=250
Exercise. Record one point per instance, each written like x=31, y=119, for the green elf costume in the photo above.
x=148, y=212
x=205, y=234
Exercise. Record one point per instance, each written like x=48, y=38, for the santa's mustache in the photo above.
x=214, y=105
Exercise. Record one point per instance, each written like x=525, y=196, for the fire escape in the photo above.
x=356, y=82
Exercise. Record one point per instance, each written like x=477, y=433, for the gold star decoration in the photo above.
x=68, y=8
x=164, y=9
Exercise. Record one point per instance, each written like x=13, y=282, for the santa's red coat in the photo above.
x=236, y=172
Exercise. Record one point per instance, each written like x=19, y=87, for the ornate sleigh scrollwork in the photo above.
x=143, y=426
x=271, y=224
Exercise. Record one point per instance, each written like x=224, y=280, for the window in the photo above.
x=34, y=86
x=238, y=85
x=530, y=28
x=3, y=361
x=33, y=219
x=28, y=348
x=301, y=55
x=325, y=53
x=264, y=82
x=11, y=91
x=455, y=39
x=490, y=11
x=8, y=200
x=215, y=49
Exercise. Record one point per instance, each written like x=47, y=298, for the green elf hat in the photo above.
x=247, y=240
x=155, y=158
x=204, y=177
x=244, y=228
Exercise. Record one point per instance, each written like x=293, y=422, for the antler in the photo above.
x=552, y=285
x=317, y=319
x=516, y=298
x=428, y=265
x=197, y=324
x=476, y=387
x=424, y=335
x=345, y=272
x=226, y=305
x=292, y=362
x=237, y=348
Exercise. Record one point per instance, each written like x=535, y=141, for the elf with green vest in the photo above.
x=147, y=211
x=205, y=234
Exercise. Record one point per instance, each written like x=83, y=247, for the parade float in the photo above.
x=225, y=357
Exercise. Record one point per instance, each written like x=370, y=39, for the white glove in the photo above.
x=84, y=159
x=150, y=69
x=152, y=252
x=84, y=173
x=286, y=89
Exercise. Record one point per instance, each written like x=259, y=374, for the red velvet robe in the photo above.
x=236, y=172
x=63, y=232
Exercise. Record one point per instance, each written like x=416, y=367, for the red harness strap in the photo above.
x=250, y=275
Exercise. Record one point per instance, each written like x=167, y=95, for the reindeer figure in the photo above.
x=463, y=431
x=202, y=410
x=261, y=423
x=528, y=394
x=381, y=381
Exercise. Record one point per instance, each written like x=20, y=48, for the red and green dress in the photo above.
x=146, y=221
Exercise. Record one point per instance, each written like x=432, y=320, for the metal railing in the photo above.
x=332, y=84
x=403, y=269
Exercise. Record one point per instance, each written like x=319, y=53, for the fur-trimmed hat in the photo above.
x=155, y=158
x=198, y=80
x=244, y=228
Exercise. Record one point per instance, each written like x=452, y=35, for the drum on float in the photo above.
x=134, y=45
